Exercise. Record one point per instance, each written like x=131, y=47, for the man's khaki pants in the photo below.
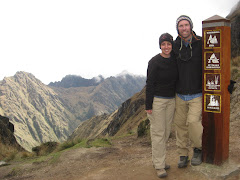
x=160, y=127
x=188, y=124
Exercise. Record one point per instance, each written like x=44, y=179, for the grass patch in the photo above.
x=7, y=153
x=129, y=133
x=82, y=143
x=87, y=143
x=55, y=155
x=66, y=145
x=51, y=151
x=103, y=142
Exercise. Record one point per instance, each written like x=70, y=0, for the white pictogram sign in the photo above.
x=212, y=103
x=213, y=59
x=212, y=40
x=213, y=84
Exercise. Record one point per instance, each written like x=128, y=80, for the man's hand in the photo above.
x=149, y=111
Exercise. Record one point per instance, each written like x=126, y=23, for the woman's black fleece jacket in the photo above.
x=162, y=75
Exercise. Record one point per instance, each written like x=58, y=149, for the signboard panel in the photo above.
x=212, y=60
x=212, y=81
x=212, y=103
x=212, y=39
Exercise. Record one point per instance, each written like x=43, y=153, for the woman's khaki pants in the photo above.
x=160, y=127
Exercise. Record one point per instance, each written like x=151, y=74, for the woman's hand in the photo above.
x=149, y=111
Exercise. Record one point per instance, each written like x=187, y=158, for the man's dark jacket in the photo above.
x=190, y=70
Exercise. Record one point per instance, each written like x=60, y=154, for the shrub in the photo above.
x=26, y=155
x=66, y=145
x=45, y=148
x=12, y=156
x=143, y=128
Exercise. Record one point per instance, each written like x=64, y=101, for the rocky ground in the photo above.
x=128, y=158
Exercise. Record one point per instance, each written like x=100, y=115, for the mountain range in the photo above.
x=42, y=113
x=105, y=97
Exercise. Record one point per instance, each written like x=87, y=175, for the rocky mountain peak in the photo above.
x=77, y=81
x=35, y=109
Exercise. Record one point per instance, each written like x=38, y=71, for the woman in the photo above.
x=162, y=75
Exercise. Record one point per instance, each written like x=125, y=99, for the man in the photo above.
x=188, y=124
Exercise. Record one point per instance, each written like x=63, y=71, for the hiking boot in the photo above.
x=167, y=167
x=161, y=173
x=197, y=157
x=183, y=162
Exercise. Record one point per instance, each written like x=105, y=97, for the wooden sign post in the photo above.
x=216, y=98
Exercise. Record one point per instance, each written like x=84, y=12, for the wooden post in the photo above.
x=216, y=98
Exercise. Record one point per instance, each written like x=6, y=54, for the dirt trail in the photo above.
x=128, y=159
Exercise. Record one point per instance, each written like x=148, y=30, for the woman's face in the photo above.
x=166, y=48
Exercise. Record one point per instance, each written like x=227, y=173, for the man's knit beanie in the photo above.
x=165, y=37
x=184, y=17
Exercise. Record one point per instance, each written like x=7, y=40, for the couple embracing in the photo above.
x=174, y=94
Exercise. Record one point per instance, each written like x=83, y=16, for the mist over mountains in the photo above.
x=77, y=81
x=42, y=113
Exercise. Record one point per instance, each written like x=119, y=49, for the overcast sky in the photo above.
x=55, y=38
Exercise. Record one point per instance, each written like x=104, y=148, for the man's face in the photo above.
x=184, y=29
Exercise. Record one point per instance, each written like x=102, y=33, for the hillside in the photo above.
x=35, y=110
x=42, y=113
x=124, y=120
